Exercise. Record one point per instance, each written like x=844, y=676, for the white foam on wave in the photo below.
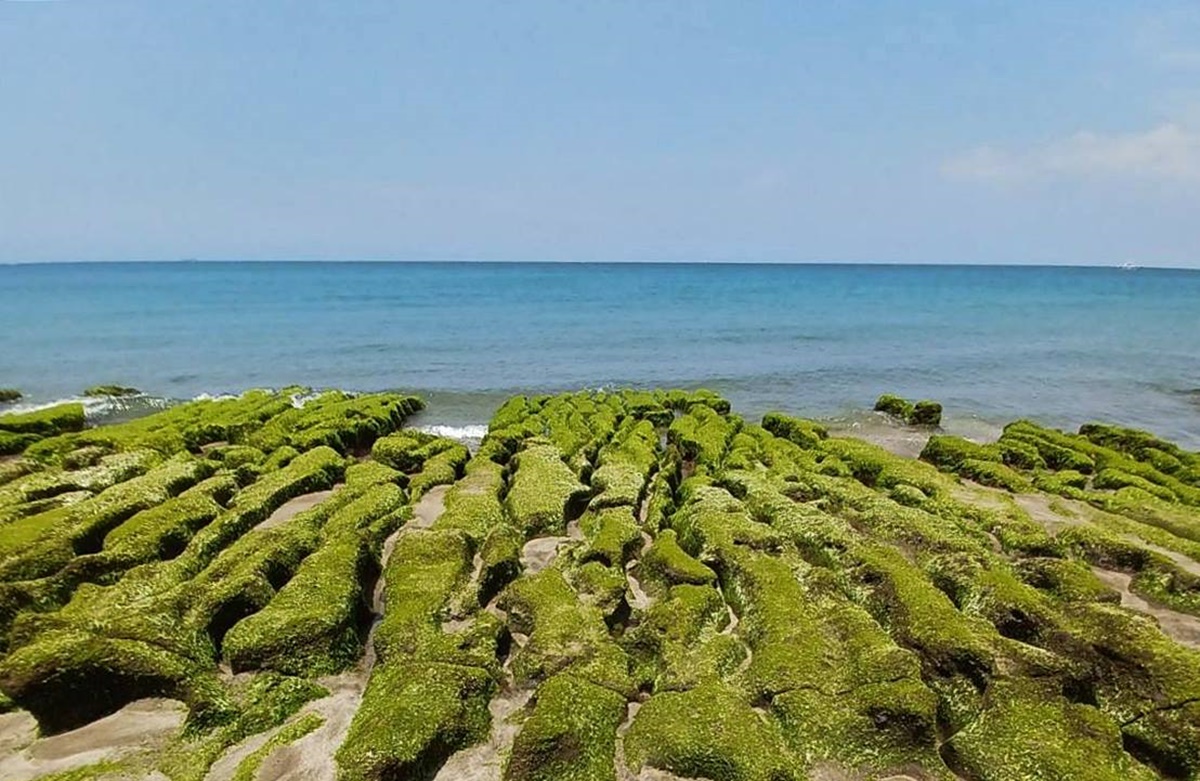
x=214, y=397
x=93, y=406
x=300, y=399
x=470, y=432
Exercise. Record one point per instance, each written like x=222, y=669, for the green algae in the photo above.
x=12, y=443
x=334, y=419
x=40, y=545
x=63, y=697
x=254, y=706
x=666, y=560
x=681, y=640
x=500, y=561
x=611, y=535
x=94, y=772
x=805, y=433
x=95, y=476
x=570, y=734
x=442, y=468
x=709, y=732
x=315, y=624
x=624, y=465
x=1026, y=731
x=48, y=422
x=247, y=769
x=544, y=491
x=412, y=718
x=702, y=434
x=922, y=413
x=425, y=569
x=811, y=604
x=565, y=634
x=111, y=391
x=1068, y=580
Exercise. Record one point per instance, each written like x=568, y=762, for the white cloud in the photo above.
x=1167, y=152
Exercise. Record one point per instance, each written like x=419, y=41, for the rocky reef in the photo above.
x=613, y=585
x=921, y=413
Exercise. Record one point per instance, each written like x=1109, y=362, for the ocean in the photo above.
x=1060, y=345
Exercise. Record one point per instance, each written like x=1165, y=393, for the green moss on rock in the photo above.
x=544, y=491
x=316, y=623
x=805, y=433
x=46, y=422
x=103, y=674
x=565, y=633
x=249, y=707
x=443, y=468
x=1027, y=732
x=570, y=734
x=926, y=413
x=708, y=732
x=500, y=561
x=12, y=444
x=338, y=420
x=611, y=535
x=111, y=390
x=949, y=453
x=412, y=718
x=895, y=406
x=247, y=769
x=665, y=559
x=1066, y=579
x=995, y=475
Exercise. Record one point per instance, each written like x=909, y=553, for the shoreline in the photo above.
x=464, y=415
x=862, y=422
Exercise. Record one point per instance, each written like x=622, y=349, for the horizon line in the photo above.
x=568, y=261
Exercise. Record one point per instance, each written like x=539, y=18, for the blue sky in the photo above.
x=949, y=131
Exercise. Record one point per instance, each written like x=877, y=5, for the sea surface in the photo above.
x=1060, y=345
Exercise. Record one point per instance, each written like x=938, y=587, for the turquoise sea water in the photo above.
x=1063, y=345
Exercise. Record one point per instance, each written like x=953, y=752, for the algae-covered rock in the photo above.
x=611, y=534
x=111, y=390
x=570, y=734
x=895, y=406
x=9, y=395
x=1029, y=731
x=805, y=433
x=412, y=718
x=949, y=452
x=922, y=413
x=103, y=674
x=12, y=443
x=442, y=468
x=316, y=623
x=566, y=634
x=708, y=732
x=248, y=707
x=780, y=603
x=544, y=491
x=665, y=559
x=926, y=413
x=46, y=422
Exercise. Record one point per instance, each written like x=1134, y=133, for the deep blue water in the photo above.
x=1063, y=345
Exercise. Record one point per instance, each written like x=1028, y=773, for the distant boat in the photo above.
x=1129, y=265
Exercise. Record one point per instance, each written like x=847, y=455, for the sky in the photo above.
x=945, y=131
